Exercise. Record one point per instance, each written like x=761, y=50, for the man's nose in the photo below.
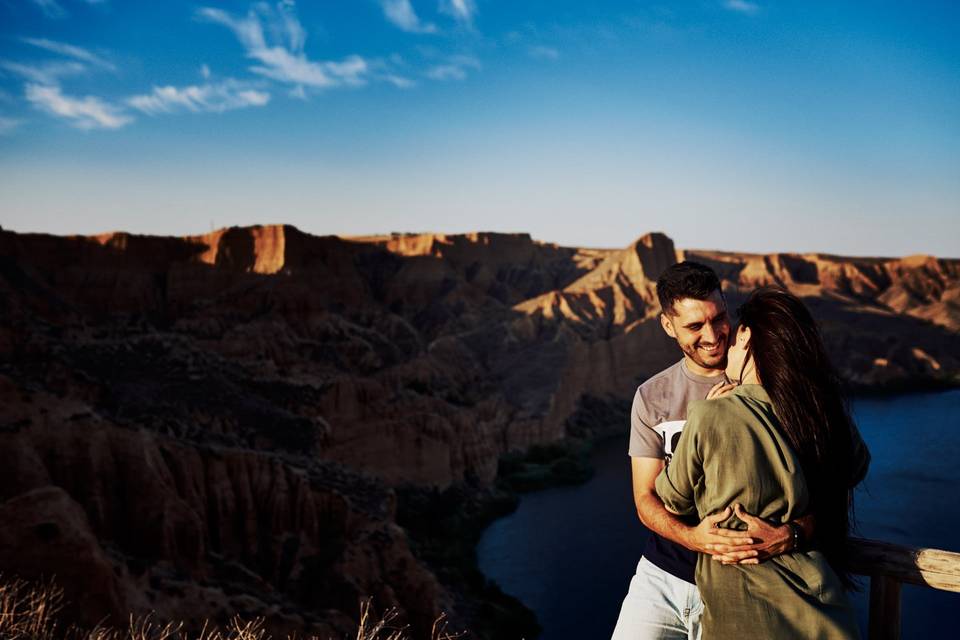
x=708, y=334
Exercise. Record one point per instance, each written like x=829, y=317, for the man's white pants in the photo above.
x=659, y=606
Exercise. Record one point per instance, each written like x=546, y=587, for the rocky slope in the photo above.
x=217, y=423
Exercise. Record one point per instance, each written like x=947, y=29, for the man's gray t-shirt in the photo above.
x=656, y=421
x=660, y=409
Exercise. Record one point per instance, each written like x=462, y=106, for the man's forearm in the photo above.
x=655, y=517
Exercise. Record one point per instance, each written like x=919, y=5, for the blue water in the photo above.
x=569, y=553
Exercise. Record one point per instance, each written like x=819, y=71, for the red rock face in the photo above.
x=213, y=424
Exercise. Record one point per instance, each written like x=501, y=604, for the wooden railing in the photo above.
x=889, y=566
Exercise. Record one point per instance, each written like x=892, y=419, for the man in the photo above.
x=663, y=601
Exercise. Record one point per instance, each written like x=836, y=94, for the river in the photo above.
x=568, y=553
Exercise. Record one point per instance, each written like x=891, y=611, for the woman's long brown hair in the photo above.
x=803, y=385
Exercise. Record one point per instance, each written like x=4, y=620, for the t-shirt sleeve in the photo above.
x=644, y=441
x=676, y=484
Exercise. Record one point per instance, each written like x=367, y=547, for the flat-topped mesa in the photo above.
x=271, y=249
x=106, y=251
x=489, y=246
x=257, y=249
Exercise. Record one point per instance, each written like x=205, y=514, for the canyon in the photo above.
x=218, y=424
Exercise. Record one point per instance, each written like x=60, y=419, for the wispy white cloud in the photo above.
x=274, y=37
x=51, y=8
x=400, y=13
x=399, y=82
x=8, y=125
x=88, y=112
x=742, y=6
x=544, y=53
x=46, y=73
x=462, y=10
x=71, y=51
x=210, y=97
x=351, y=70
x=455, y=68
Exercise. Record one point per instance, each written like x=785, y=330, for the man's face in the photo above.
x=701, y=328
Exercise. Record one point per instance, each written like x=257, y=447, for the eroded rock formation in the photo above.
x=215, y=424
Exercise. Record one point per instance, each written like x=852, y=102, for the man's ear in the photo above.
x=667, y=325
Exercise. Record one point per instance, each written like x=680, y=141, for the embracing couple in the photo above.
x=744, y=457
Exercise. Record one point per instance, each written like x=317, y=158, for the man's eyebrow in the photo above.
x=700, y=323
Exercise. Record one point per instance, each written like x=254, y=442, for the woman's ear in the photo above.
x=743, y=336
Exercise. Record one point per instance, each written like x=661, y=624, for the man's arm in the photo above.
x=655, y=516
x=761, y=541
x=771, y=540
x=705, y=537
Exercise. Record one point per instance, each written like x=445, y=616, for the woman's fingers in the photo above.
x=737, y=557
x=720, y=389
x=730, y=533
x=727, y=549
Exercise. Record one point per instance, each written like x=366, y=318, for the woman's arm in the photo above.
x=677, y=482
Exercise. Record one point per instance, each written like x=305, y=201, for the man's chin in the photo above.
x=716, y=362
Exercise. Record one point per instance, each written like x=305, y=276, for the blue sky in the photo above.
x=754, y=125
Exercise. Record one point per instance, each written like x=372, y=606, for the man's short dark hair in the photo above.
x=686, y=280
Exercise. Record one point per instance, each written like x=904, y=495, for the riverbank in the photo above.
x=445, y=528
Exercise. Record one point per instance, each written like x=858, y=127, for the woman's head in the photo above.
x=776, y=335
x=779, y=340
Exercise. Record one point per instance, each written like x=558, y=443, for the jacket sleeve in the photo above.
x=676, y=485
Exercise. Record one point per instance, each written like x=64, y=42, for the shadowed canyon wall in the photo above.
x=216, y=424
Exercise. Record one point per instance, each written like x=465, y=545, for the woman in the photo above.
x=782, y=445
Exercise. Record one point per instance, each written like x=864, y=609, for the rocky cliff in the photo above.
x=217, y=423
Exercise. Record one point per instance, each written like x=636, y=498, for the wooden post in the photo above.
x=884, y=608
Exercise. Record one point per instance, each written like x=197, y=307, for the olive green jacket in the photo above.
x=732, y=451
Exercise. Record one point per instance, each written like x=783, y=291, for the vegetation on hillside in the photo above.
x=30, y=612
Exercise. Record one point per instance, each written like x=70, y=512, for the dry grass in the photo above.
x=29, y=612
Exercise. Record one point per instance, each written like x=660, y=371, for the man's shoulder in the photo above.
x=666, y=378
x=658, y=396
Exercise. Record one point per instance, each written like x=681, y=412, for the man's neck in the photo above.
x=698, y=370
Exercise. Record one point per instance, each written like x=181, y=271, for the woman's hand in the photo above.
x=706, y=536
x=770, y=541
x=720, y=389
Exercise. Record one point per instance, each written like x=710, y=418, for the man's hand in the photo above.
x=706, y=536
x=769, y=540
